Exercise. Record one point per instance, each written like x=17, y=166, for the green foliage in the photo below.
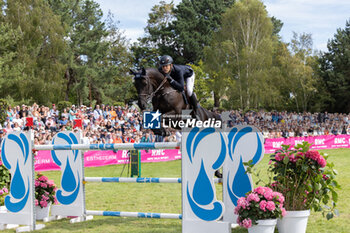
x=118, y=103
x=62, y=105
x=45, y=191
x=3, y=111
x=202, y=88
x=240, y=55
x=305, y=178
x=39, y=43
x=249, y=208
x=335, y=70
x=159, y=37
x=205, y=17
x=5, y=177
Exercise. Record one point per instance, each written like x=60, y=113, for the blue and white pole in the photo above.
x=117, y=146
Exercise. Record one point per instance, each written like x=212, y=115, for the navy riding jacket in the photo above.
x=178, y=75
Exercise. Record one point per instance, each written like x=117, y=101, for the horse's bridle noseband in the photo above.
x=150, y=96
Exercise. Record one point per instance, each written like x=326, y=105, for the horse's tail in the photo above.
x=205, y=114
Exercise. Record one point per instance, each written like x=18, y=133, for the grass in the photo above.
x=166, y=198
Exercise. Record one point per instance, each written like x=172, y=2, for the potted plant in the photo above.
x=5, y=179
x=3, y=192
x=45, y=195
x=307, y=181
x=259, y=209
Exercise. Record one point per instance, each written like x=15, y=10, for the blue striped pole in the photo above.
x=133, y=214
x=117, y=146
x=137, y=180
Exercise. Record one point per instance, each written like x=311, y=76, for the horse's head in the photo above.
x=143, y=87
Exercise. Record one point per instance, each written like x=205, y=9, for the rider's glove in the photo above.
x=170, y=79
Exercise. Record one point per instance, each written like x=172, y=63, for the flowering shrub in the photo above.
x=261, y=203
x=5, y=179
x=45, y=191
x=305, y=178
x=3, y=192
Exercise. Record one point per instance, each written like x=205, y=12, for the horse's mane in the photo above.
x=152, y=72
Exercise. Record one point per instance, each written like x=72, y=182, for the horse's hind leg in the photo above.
x=218, y=174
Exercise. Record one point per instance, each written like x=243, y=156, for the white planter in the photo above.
x=3, y=209
x=294, y=221
x=264, y=226
x=42, y=213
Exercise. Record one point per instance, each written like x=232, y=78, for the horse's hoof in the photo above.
x=218, y=174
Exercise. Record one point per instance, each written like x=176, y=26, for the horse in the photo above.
x=153, y=87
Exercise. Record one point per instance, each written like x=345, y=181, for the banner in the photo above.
x=102, y=158
x=44, y=162
x=318, y=142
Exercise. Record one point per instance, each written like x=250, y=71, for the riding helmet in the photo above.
x=166, y=60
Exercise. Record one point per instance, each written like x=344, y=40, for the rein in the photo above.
x=150, y=96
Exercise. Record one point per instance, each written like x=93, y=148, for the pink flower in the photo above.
x=253, y=197
x=321, y=161
x=293, y=159
x=242, y=202
x=43, y=178
x=36, y=202
x=274, y=184
x=263, y=205
x=325, y=177
x=278, y=196
x=237, y=208
x=284, y=212
x=279, y=156
x=43, y=185
x=1, y=192
x=270, y=205
x=5, y=190
x=312, y=154
x=268, y=194
x=43, y=203
x=43, y=197
x=51, y=183
x=260, y=190
x=247, y=223
x=37, y=183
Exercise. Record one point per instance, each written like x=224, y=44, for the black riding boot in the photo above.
x=194, y=104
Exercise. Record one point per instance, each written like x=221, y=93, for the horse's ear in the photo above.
x=132, y=72
x=143, y=71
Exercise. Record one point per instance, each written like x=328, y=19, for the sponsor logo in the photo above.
x=151, y=120
x=339, y=140
x=319, y=141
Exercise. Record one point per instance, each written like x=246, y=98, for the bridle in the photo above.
x=151, y=94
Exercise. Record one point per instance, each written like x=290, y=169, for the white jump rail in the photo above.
x=116, y=146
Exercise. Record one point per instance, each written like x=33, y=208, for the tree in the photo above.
x=196, y=21
x=303, y=81
x=202, y=84
x=97, y=58
x=159, y=38
x=335, y=70
x=245, y=44
x=39, y=42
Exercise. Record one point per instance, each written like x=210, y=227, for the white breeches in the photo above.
x=189, y=85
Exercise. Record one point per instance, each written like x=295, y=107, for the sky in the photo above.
x=321, y=18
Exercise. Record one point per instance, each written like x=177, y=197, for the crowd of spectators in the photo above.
x=116, y=124
x=291, y=124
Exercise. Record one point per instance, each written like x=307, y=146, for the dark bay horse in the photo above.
x=153, y=87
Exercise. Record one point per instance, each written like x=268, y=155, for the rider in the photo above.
x=177, y=75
